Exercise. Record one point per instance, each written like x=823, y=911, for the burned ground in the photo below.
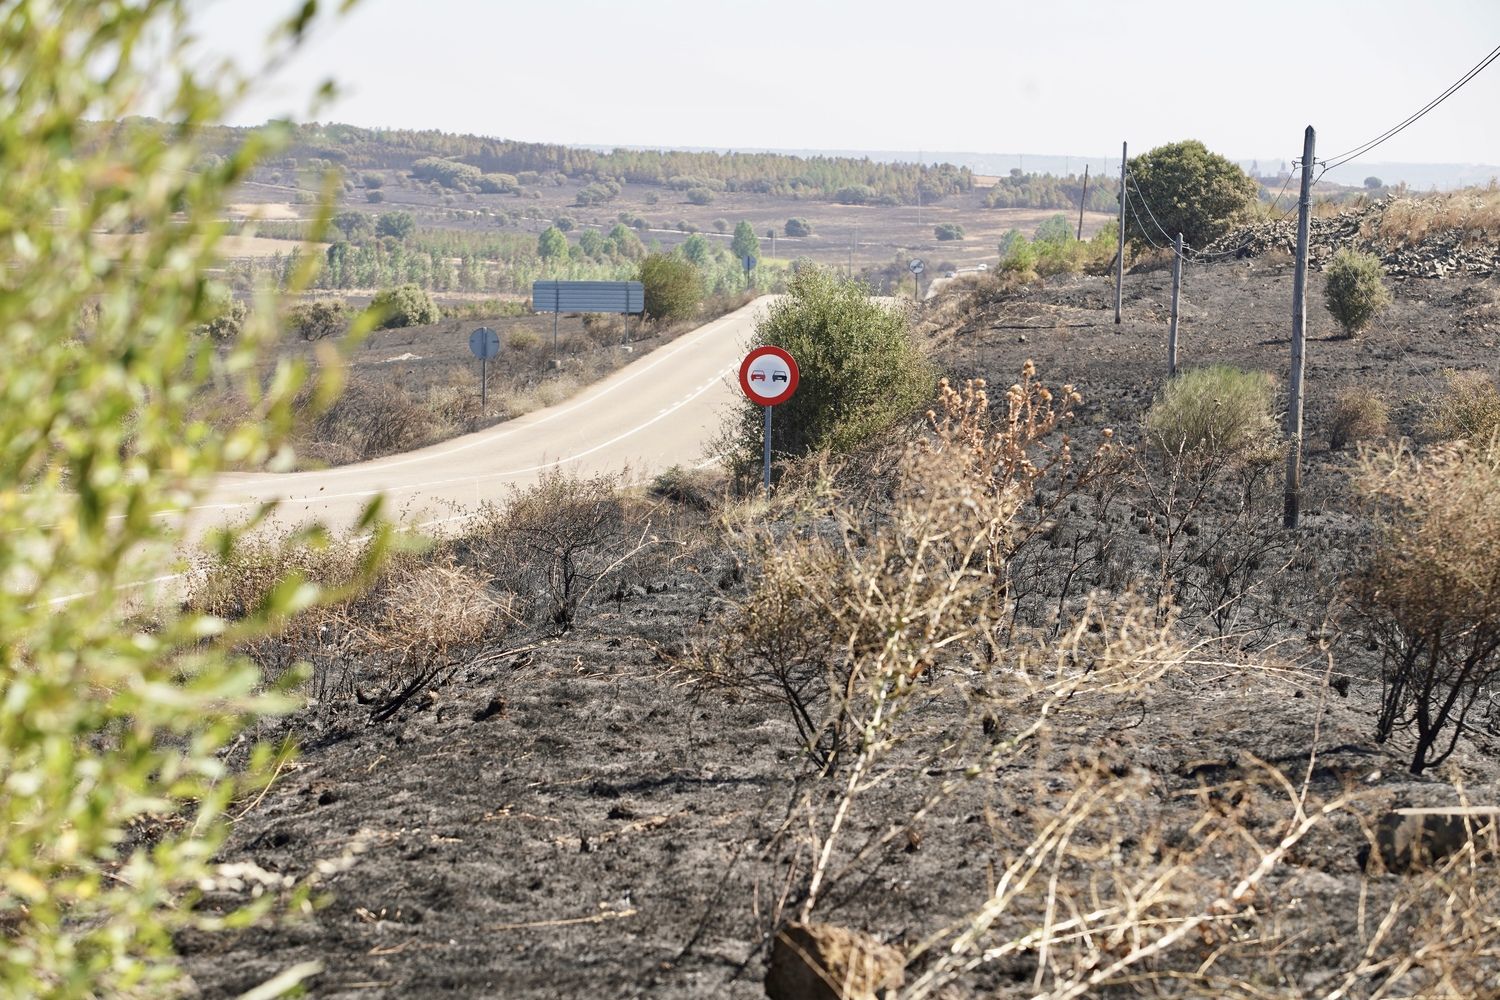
x=578, y=814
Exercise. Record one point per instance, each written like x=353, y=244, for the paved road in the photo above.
x=659, y=411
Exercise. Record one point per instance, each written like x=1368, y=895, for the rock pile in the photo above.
x=1452, y=251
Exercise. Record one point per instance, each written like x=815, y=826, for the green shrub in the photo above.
x=700, y=196
x=117, y=733
x=674, y=287
x=948, y=231
x=1358, y=415
x=861, y=368
x=317, y=320
x=798, y=227
x=229, y=318
x=1020, y=259
x=1469, y=409
x=1355, y=289
x=405, y=305
x=399, y=225
x=1212, y=415
x=1056, y=230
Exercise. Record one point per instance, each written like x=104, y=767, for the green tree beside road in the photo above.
x=746, y=245
x=1184, y=188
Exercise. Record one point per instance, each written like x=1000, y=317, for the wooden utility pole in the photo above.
x=1299, y=339
x=1120, y=255
x=1083, y=199
x=1176, y=293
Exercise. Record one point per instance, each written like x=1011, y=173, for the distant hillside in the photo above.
x=471, y=162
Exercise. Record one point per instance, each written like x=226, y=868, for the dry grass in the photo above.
x=1358, y=415
x=1473, y=212
x=1469, y=410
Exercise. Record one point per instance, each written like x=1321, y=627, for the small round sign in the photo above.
x=916, y=265
x=484, y=343
x=768, y=375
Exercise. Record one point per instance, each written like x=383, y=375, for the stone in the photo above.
x=825, y=962
x=1411, y=839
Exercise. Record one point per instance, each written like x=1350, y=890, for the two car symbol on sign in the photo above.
x=760, y=376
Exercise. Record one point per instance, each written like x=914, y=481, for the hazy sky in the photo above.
x=1052, y=76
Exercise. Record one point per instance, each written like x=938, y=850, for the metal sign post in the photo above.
x=484, y=344
x=766, y=458
x=768, y=376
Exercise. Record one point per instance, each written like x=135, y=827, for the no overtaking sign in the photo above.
x=768, y=375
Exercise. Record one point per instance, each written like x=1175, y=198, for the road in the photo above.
x=658, y=411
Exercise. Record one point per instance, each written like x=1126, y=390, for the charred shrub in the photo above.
x=1429, y=593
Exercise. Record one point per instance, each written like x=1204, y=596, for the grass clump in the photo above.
x=1355, y=290
x=1358, y=415
x=1469, y=409
x=1213, y=414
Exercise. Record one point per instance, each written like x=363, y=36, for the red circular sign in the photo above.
x=768, y=375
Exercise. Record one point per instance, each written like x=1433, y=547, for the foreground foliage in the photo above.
x=113, y=783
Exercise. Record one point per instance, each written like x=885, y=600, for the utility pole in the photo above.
x=853, y=242
x=1120, y=255
x=1299, y=339
x=1176, y=292
x=1083, y=199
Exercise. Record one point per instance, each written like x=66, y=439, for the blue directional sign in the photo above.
x=485, y=343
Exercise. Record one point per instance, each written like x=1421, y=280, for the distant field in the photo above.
x=874, y=234
x=230, y=246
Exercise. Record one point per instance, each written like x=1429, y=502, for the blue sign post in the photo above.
x=484, y=344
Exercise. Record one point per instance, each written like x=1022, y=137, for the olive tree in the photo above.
x=111, y=727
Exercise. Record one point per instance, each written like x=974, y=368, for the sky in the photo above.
x=1072, y=77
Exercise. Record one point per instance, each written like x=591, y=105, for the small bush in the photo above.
x=798, y=227
x=721, y=225
x=523, y=340
x=225, y=327
x=700, y=196
x=1358, y=415
x=1355, y=290
x=948, y=231
x=1020, y=258
x=374, y=197
x=674, y=287
x=317, y=320
x=405, y=305
x=1469, y=409
x=1212, y=415
x=565, y=223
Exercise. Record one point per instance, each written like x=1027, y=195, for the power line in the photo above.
x=1198, y=256
x=1390, y=133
